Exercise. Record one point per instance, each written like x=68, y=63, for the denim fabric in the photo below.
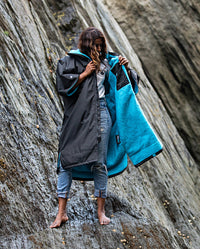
x=98, y=169
x=64, y=182
x=105, y=129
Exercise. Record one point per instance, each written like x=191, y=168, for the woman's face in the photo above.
x=98, y=43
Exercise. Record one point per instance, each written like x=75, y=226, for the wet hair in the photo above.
x=87, y=46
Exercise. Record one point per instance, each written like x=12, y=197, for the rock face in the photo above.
x=30, y=115
x=155, y=206
x=164, y=35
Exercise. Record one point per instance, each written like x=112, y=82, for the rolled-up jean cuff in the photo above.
x=64, y=195
x=100, y=193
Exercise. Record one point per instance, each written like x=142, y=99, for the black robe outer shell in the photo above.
x=79, y=137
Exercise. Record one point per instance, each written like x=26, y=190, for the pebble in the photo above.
x=166, y=202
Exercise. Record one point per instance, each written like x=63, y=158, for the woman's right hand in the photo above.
x=89, y=68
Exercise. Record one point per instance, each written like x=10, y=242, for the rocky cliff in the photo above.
x=155, y=206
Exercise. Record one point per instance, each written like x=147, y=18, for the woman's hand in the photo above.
x=123, y=61
x=89, y=68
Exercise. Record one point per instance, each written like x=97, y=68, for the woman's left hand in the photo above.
x=123, y=61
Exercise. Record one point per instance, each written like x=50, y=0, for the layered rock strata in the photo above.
x=154, y=206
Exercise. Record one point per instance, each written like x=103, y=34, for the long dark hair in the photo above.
x=86, y=45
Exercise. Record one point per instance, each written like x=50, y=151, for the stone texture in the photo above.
x=165, y=36
x=30, y=115
x=155, y=206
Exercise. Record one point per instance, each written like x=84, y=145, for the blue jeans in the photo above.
x=99, y=168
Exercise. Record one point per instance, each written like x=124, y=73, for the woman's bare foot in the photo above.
x=103, y=220
x=59, y=220
x=61, y=216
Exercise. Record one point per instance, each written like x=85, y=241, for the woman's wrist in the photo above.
x=81, y=77
x=83, y=74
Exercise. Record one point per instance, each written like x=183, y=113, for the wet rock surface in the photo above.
x=155, y=206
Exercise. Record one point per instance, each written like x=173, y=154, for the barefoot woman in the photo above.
x=98, y=114
x=87, y=122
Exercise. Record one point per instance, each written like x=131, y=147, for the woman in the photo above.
x=93, y=44
x=97, y=95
